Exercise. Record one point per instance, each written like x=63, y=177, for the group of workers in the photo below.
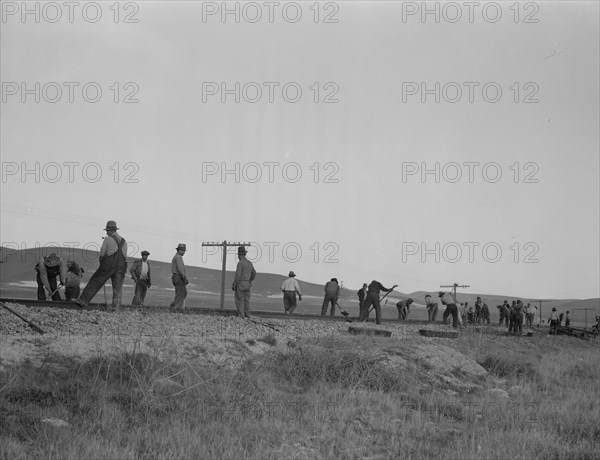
x=113, y=266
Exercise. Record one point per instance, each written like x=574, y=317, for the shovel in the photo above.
x=343, y=312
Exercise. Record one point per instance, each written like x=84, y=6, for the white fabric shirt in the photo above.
x=291, y=284
x=144, y=273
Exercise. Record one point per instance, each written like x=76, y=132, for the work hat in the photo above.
x=364, y=284
x=553, y=309
x=181, y=246
x=440, y=294
x=428, y=295
x=478, y=298
x=334, y=279
x=242, y=250
x=111, y=225
x=291, y=274
x=52, y=260
x=145, y=253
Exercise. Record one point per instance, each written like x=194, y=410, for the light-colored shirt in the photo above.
x=144, y=272
x=109, y=246
x=291, y=284
x=44, y=272
x=447, y=299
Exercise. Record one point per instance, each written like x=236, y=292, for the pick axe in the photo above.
x=56, y=290
x=383, y=297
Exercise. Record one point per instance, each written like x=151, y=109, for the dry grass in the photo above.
x=315, y=399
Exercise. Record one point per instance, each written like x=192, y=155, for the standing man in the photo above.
x=451, y=308
x=485, y=313
x=432, y=308
x=373, y=299
x=530, y=315
x=567, y=319
x=504, y=313
x=244, y=275
x=553, y=322
x=73, y=281
x=478, y=307
x=518, y=317
x=290, y=287
x=404, y=308
x=113, y=265
x=332, y=292
x=179, y=278
x=48, y=269
x=362, y=294
x=140, y=273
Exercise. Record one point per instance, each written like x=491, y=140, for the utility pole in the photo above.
x=586, y=310
x=540, y=302
x=224, y=245
x=454, y=286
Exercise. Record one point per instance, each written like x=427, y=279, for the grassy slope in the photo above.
x=319, y=399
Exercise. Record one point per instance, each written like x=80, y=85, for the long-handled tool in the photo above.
x=343, y=312
x=56, y=290
x=386, y=294
x=34, y=326
x=105, y=298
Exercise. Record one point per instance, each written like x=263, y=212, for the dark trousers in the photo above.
x=402, y=313
x=289, y=301
x=329, y=298
x=242, y=301
x=451, y=309
x=72, y=292
x=113, y=267
x=503, y=318
x=518, y=323
x=98, y=279
x=553, y=326
x=141, y=287
x=41, y=292
x=180, y=292
x=432, y=311
x=485, y=317
x=372, y=299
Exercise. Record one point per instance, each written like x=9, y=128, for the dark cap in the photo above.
x=145, y=253
x=242, y=250
x=180, y=247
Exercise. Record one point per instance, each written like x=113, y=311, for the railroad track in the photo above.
x=190, y=311
x=156, y=309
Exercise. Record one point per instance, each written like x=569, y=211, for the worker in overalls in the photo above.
x=113, y=265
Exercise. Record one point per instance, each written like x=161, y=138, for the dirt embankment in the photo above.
x=215, y=340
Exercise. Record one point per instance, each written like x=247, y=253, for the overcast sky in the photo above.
x=356, y=99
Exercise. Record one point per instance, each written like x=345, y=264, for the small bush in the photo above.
x=508, y=367
x=347, y=369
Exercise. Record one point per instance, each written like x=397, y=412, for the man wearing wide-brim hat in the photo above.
x=244, y=275
x=179, y=278
x=290, y=287
x=113, y=266
x=48, y=269
x=141, y=276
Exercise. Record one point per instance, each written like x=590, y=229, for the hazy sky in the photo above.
x=356, y=99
